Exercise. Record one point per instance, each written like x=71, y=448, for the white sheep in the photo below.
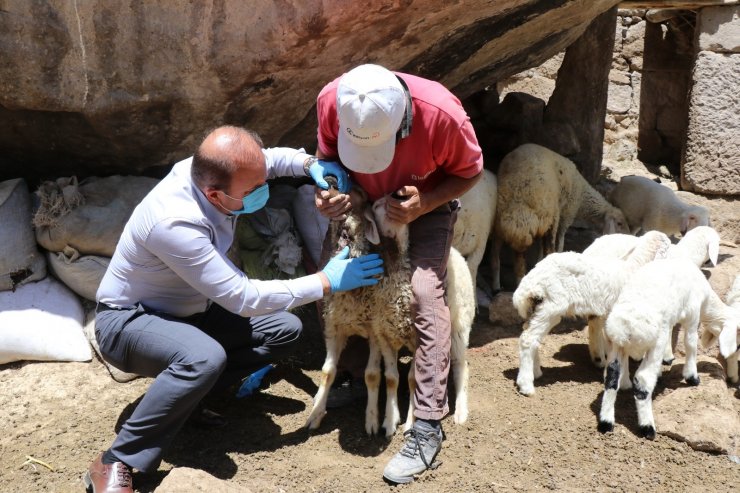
x=708, y=338
x=658, y=296
x=648, y=205
x=572, y=284
x=382, y=314
x=475, y=221
x=540, y=194
x=698, y=245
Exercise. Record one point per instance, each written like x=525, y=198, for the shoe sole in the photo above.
x=404, y=480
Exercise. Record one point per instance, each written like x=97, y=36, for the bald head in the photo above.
x=225, y=151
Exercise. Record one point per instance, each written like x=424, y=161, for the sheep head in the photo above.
x=693, y=217
x=615, y=222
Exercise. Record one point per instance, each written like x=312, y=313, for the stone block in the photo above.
x=719, y=29
x=711, y=161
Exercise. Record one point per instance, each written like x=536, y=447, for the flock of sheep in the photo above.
x=633, y=290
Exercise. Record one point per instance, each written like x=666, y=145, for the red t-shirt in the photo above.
x=442, y=140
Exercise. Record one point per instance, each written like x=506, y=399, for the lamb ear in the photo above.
x=371, y=227
x=713, y=250
x=728, y=338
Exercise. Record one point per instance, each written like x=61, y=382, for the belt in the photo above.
x=102, y=307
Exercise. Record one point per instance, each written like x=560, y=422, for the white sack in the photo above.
x=42, y=321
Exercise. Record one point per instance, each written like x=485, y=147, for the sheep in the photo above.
x=540, y=194
x=708, y=338
x=572, y=284
x=382, y=314
x=698, y=245
x=475, y=221
x=648, y=205
x=658, y=296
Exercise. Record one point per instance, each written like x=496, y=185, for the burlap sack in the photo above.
x=20, y=260
x=89, y=216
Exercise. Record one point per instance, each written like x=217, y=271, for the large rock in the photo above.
x=705, y=417
x=119, y=87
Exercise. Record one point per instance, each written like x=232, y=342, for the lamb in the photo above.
x=475, y=221
x=658, y=296
x=648, y=205
x=540, y=194
x=698, y=245
x=708, y=338
x=572, y=284
x=382, y=315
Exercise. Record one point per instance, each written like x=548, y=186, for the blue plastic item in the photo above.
x=252, y=382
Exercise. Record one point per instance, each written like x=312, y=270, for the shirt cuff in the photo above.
x=296, y=165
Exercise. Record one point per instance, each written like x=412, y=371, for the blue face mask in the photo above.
x=254, y=201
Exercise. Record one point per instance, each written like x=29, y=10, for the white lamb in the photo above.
x=658, y=296
x=708, y=338
x=698, y=245
x=540, y=194
x=475, y=221
x=382, y=314
x=648, y=205
x=572, y=284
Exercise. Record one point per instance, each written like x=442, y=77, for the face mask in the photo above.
x=254, y=201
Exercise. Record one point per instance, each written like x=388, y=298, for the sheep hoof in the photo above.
x=461, y=416
x=526, y=389
x=693, y=380
x=313, y=422
x=668, y=362
x=605, y=426
x=647, y=432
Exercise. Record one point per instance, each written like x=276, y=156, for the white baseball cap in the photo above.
x=370, y=104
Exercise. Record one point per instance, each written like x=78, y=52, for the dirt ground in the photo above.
x=64, y=414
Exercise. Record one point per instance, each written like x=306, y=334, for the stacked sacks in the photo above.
x=40, y=319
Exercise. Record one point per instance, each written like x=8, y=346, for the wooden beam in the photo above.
x=675, y=4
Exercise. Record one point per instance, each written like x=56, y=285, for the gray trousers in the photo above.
x=187, y=358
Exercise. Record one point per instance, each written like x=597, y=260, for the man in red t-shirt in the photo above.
x=405, y=135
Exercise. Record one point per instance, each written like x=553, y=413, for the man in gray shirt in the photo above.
x=171, y=306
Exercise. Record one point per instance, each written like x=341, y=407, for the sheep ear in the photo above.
x=728, y=338
x=371, y=227
x=610, y=226
x=685, y=224
x=713, y=250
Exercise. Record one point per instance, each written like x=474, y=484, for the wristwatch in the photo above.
x=308, y=163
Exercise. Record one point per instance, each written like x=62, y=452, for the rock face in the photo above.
x=120, y=87
x=711, y=163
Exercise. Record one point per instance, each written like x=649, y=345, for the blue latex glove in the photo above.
x=319, y=169
x=252, y=382
x=345, y=274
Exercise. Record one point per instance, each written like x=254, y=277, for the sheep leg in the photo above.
x=614, y=370
x=473, y=261
x=460, y=373
x=668, y=352
x=732, y=370
x=624, y=381
x=643, y=385
x=392, y=414
x=334, y=347
x=529, y=360
x=690, y=341
x=520, y=266
x=496, y=264
x=372, y=382
x=598, y=346
x=412, y=390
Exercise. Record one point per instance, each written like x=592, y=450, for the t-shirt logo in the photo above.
x=421, y=178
